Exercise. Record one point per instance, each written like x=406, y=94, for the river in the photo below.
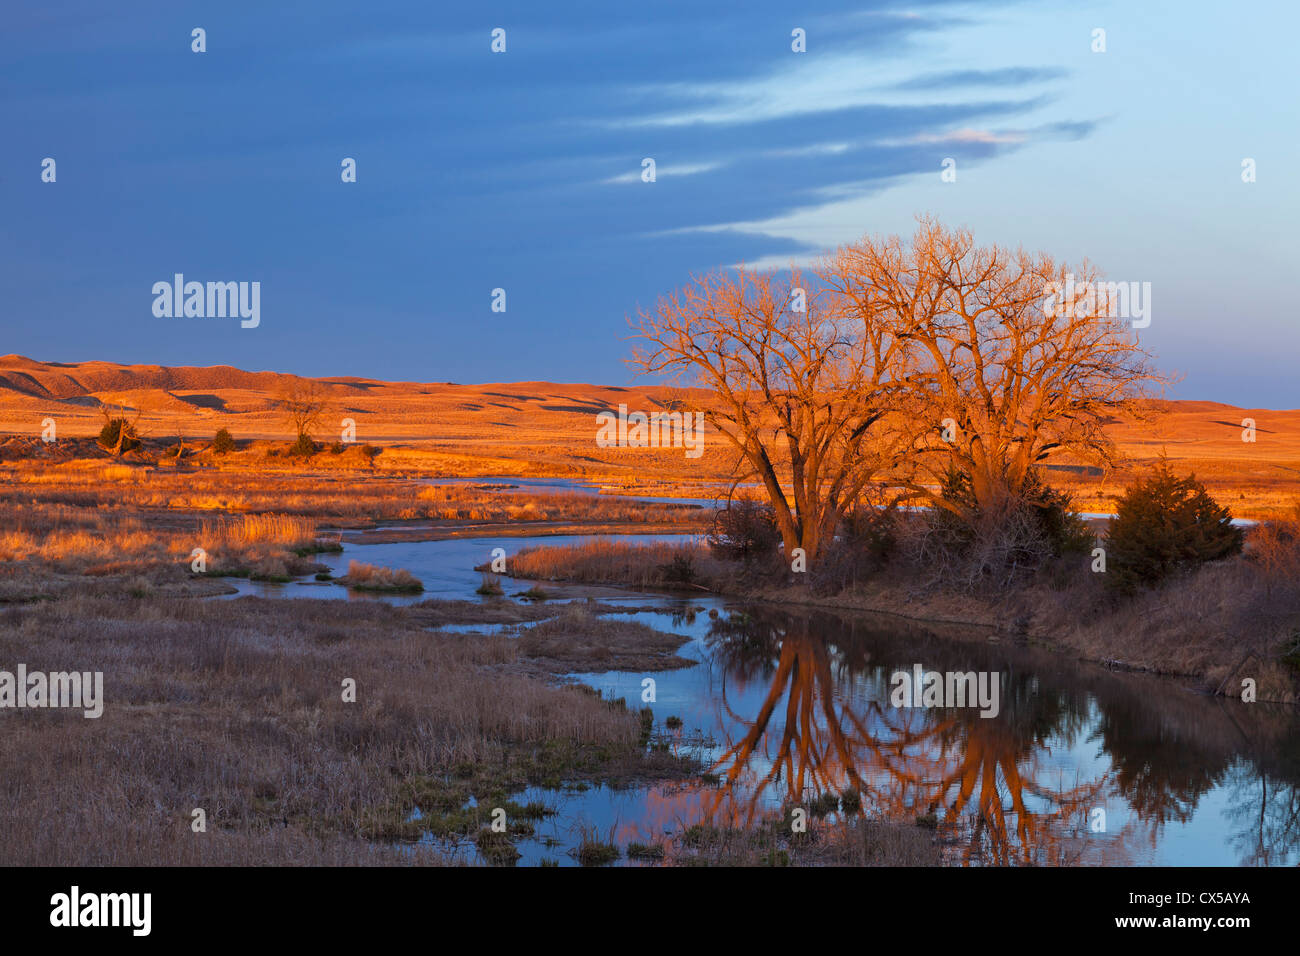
x=1080, y=765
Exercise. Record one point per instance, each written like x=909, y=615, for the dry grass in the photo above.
x=93, y=541
x=372, y=577
x=85, y=517
x=1226, y=621
x=610, y=561
x=577, y=640
x=236, y=708
x=247, y=531
x=262, y=488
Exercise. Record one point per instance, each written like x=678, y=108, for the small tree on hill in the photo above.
x=119, y=434
x=1166, y=525
x=222, y=442
x=302, y=402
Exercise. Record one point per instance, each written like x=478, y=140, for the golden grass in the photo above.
x=236, y=707
x=372, y=577
x=246, y=531
x=609, y=561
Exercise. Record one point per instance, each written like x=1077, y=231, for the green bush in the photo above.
x=1166, y=525
x=118, y=436
x=222, y=442
x=1054, y=514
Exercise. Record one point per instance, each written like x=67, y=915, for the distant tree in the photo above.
x=302, y=401
x=120, y=434
x=675, y=399
x=222, y=442
x=1165, y=525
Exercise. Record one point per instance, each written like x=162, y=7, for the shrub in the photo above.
x=118, y=436
x=303, y=447
x=680, y=571
x=1275, y=550
x=1054, y=514
x=865, y=541
x=743, y=531
x=1037, y=525
x=1051, y=513
x=222, y=442
x=1166, y=525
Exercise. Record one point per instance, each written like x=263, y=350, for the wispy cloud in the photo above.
x=958, y=79
x=808, y=85
x=816, y=149
x=688, y=169
x=967, y=136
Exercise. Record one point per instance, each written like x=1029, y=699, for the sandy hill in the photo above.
x=536, y=423
x=528, y=421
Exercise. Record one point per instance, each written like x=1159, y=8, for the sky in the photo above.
x=522, y=170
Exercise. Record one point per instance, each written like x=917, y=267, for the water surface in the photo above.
x=1081, y=765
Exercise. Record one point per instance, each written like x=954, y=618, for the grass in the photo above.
x=643, y=851
x=579, y=641
x=496, y=847
x=232, y=486
x=609, y=561
x=236, y=707
x=536, y=429
x=371, y=577
x=593, y=851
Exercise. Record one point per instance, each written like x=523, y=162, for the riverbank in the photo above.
x=1222, y=625
x=327, y=733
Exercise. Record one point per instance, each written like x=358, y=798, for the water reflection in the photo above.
x=803, y=709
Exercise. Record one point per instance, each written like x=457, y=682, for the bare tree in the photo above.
x=302, y=401
x=802, y=388
x=1017, y=377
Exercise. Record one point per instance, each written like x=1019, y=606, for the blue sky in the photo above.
x=522, y=170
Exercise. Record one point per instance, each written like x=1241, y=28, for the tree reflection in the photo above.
x=823, y=724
